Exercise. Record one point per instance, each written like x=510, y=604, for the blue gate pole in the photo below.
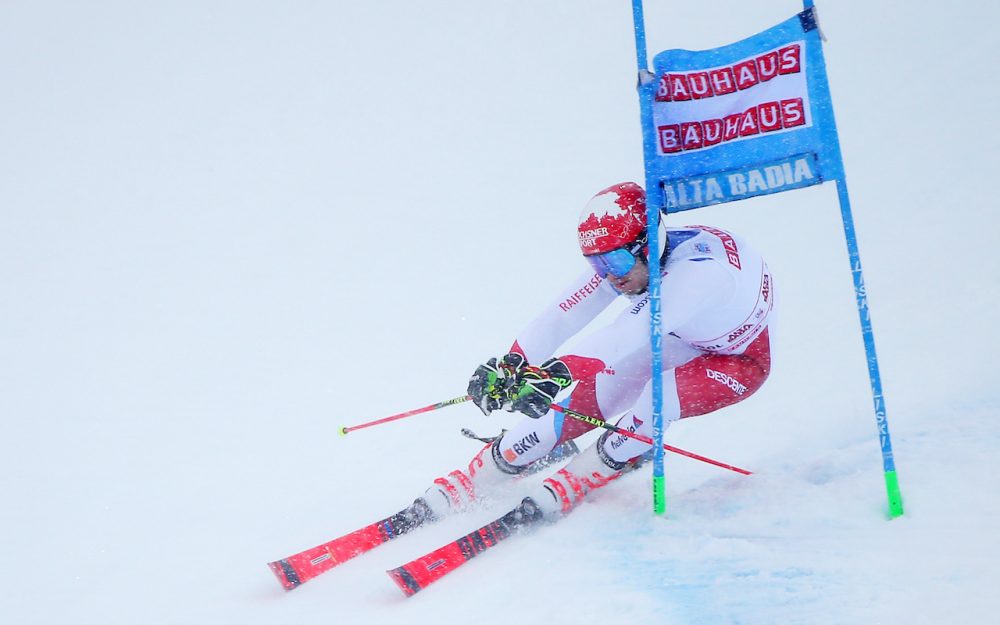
x=654, y=203
x=640, y=35
x=888, y=462
x=881, y=421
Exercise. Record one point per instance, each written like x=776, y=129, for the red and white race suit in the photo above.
x=717, y=302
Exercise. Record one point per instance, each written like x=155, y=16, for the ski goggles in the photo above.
x=616, y=262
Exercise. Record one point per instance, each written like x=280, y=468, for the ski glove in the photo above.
x=535, y=388
x=491, y=383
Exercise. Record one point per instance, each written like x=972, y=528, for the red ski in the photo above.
x=302, y=567
x=418, y=574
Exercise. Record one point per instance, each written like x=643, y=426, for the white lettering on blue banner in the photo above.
x=794, y=172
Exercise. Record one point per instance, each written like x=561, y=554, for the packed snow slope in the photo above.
x=228, y=228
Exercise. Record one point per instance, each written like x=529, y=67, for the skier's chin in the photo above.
x=630, y=287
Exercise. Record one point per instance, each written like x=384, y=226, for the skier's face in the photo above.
x=633, y=282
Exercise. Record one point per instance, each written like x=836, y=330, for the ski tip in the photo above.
x=286, y=575
x=342, y=430
x=404, y=580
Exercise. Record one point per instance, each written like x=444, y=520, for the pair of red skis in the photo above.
x=417, y=574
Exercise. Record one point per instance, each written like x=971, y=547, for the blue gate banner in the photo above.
x=746, y=119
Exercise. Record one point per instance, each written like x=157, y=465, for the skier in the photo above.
x=718, y=298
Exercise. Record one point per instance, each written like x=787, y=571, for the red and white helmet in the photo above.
x=613, y=219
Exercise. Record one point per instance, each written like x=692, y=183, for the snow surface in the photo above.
x=228, y=228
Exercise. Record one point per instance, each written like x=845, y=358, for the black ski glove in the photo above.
x=491, y=383
x=535, y=388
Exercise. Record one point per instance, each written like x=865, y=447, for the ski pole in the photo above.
x=645, y=439
x=344, y=430
x=441, y=404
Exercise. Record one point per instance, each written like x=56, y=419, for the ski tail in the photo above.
x=297, y=569
x=416, y=575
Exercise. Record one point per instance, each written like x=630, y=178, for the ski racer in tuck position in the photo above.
x=718, y=300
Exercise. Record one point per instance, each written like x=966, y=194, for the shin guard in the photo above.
x=562, y=492
x=459, y=489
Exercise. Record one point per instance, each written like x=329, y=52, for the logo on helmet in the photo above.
x=613, y=218
x=588, y=238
